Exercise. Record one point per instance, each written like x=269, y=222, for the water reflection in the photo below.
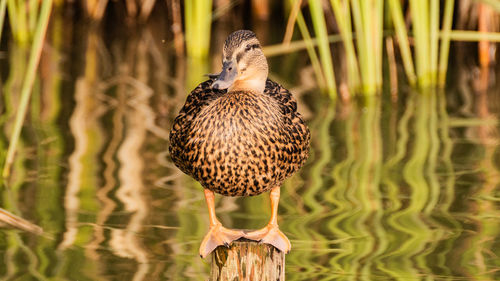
x=403, y=190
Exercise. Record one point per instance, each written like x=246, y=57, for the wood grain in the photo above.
x=247, y=260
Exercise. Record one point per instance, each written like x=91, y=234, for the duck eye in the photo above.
x=230, y=69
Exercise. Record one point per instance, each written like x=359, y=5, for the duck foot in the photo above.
x=218, y=236
x=272, y=235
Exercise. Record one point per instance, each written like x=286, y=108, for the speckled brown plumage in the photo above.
x=239, y=143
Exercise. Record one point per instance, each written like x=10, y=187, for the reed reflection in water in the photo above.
x=404, y=190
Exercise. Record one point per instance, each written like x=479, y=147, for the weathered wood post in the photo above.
x=247, y=260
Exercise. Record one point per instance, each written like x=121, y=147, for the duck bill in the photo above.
x=226, y=77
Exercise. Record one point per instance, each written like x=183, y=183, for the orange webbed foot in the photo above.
x=218, y=236
x=272, y=235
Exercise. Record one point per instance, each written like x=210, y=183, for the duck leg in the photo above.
x=271, y=233
x=217, y=234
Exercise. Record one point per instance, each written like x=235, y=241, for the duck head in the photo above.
x=244, y=66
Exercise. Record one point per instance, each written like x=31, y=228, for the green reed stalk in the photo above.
x=319, y=24
x=33, y=6
x=309, y=43
x=3, y=7
x=198, y=21
x=343, y=18
x=445, y=41
x=368, y=19
x=379, y=39
x=12, y=7
x=420, y=17
x=360, y=38
x=292, y=18
x=18, y=20
x=434, y=39
x=465, y=35
x=297, y=45
x=404, y=46
x=34, y=59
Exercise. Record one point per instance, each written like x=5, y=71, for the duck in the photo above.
x=240, y=134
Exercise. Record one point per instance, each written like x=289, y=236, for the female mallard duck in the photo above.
x=239, y=134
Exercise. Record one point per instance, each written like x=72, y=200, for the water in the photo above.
x=395, y=189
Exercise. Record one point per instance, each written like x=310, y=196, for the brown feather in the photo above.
x=239, y=143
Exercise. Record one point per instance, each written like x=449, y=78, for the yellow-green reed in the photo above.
x=367, y=18
x=3, y=8
x=377, y=26
x=444, y=48
x=343, y=17
x=198, y=21
x=420, y=23
x=431, y=44
x=34, y=59
x=319, y=25
x=19, y=20
x=465, y=35
x=33, y=6
x=309, y=44
x=298, y=45
x=404, y=46
x=433, y=39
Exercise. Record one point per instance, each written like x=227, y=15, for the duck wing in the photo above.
x=199, y=98
x=295, y=134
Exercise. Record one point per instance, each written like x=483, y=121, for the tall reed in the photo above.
x=19, y=20
x=3, y=7
x=396, y=14
x=420, y=23
x=368, y=18
x=36, y=51
x=198, y=21
x=319, y=25
x=343, y=17
x=430, y=36
x=445, y=41
x=309, y=44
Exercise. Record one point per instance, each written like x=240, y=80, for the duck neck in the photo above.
x=253, y=85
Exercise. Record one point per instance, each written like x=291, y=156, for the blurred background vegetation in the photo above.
x=376, y=36
x=403, y=179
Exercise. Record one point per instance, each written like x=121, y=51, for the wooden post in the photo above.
x=247, y=260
